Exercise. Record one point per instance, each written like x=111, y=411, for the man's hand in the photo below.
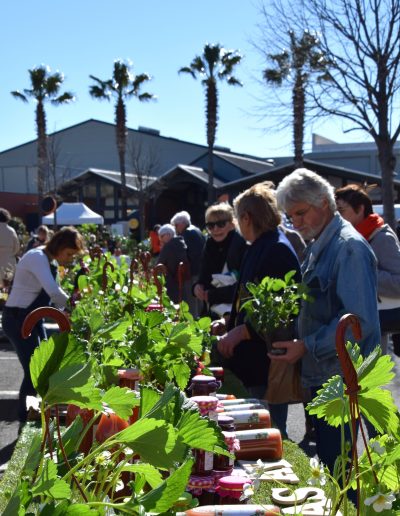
x=295, y=349
x=228, y=342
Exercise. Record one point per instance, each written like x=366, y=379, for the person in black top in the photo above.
x=220, y=261
x=173, y=251
x=270, y=254
x=194, y=240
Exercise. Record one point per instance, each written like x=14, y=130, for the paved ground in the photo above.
x=10, y=380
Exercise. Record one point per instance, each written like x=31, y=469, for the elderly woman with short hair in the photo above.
x=173, y=251
x=269, y=254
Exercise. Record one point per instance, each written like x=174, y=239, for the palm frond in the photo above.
x=18, y=95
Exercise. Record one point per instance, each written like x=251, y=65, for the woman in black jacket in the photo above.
x=220, y=261
x=270, y=254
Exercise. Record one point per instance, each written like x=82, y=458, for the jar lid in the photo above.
x=224, y=419
x=205, y=402
x=233, y=482
x=200, y=481
x=202, y=378
x=130, y=374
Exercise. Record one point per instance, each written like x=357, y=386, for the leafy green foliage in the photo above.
x=121, y=401
x=375, y=403
x=49, y=484
x=274, y=302
x=166, y=494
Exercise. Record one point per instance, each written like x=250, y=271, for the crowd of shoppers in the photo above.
x=345, y=254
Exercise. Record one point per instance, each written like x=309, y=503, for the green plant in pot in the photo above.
x=273, y=305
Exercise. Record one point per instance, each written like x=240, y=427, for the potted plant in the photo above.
x=272, y=307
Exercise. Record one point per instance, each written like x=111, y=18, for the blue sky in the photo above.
x=83, y=37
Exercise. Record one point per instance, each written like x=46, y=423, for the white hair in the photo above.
x=303, y=185
x=167, y=229
x=182, y=217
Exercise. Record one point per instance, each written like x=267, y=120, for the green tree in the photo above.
x=45, y=87
x=122, y=86
x=297, y=65
x=216, y=63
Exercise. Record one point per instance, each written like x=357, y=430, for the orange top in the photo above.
x=154, y=242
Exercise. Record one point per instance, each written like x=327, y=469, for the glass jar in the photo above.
x=218, y=373
x=202, y=487
x=207, y=406
x=263, y=443
x=226, y=422
x=129, y=378
x=203, y=385
x=109, y=425
x=230, y=489
x=204, y=459
x=249, y=419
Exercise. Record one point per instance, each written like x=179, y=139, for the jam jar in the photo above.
x=230, y=489
x=203, y=385
x=204, y=459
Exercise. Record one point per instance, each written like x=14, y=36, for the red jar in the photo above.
x=222, y=462
x=226, y=422
x=218, y=373
x=230, y=489
x=202, y=487
x=204, y=459
x=203, y=385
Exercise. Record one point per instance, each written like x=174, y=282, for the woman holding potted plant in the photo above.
x=269, y=254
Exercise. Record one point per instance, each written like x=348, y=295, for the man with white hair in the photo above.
x=173, y=251
x=340, y=271
x=195, y=241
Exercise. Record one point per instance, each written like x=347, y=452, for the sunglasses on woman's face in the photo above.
x=218, y=223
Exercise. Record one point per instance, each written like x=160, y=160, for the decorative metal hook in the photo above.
x=104, y=279
x=39, y=313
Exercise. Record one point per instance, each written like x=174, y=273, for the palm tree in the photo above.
x=45, y=86
x=122, y=86
x=215, y=63
x=297, y=65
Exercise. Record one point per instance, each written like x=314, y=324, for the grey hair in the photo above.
x=182, y=217
x=303, y=185
x=167, y=229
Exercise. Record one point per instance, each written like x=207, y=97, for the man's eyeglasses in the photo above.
x=298, y=214
x=218, y=223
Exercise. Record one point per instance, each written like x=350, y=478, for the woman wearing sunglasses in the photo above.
x=220, y=261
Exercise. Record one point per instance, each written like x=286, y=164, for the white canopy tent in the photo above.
x=74, y=213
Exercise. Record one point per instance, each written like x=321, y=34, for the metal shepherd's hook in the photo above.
x=159, y=269
x=104, y=279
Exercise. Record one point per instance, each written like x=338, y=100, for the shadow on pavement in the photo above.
x=6, y=452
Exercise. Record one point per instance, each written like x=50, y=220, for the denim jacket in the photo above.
x=340, y=271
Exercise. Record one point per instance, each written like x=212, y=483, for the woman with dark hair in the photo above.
x=34, y=286
x=270, y=254
x=354, y=205
x=9, y=247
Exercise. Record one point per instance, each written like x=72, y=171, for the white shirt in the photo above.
x=31, y=275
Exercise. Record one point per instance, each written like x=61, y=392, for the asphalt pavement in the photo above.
x=11, y=377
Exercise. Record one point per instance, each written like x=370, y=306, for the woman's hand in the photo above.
x=200, y=293
x=227, y=343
